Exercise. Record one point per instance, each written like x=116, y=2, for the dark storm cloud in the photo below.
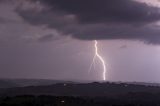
x=98, y=19
x=95, y=11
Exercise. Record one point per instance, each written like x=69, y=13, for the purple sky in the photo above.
x=54, y=40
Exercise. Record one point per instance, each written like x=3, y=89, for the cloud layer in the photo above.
x=95, y=11
x=96, y=19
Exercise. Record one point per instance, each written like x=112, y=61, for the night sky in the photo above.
x=54, y=39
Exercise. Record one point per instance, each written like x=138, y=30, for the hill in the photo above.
x=10, y=83
x=82, y=89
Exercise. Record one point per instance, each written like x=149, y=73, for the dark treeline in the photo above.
x=92, y=94
x=131, y=99
x=82, y=89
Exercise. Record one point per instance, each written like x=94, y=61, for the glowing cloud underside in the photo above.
x=100, y=58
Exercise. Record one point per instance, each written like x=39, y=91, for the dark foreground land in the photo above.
x=131, y=100
x=80, y=94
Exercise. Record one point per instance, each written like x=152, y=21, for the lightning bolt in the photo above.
x=100, y=58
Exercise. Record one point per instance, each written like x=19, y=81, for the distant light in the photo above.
x=126, y=85
x=62, y=101
x=64, y=84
